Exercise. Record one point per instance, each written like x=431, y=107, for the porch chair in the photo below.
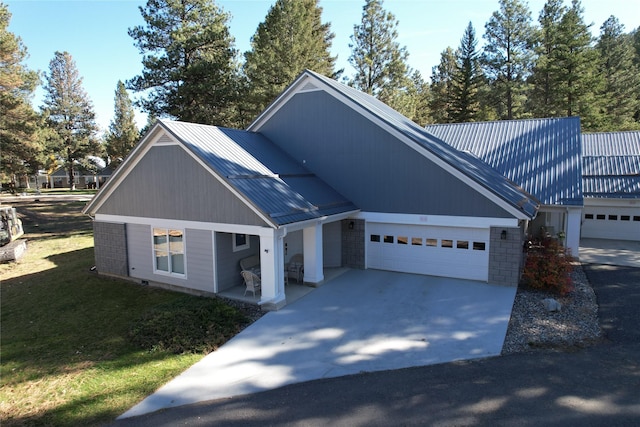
x=252, y=281
x=295, y=268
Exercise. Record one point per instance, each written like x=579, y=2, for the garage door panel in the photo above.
x=617, y=223
x=438, y=251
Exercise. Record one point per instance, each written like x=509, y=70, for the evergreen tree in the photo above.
x=621, y=96
x=377, y=57
x=190, y=68
x=418, y=95
x=577, y=61
x=19, y=124
x=69, y=114
x=442, y=92
x=123, y=133
x=467, y=79
x=292, y=38
x=544, y=99
x=507, y=57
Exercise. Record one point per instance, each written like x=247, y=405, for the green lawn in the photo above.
x=67, y=358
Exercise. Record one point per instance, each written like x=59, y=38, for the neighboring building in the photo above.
x=611, y=185
x=543, y=156
x=326, y=171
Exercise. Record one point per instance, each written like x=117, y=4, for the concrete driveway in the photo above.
x=361, y=321
x=610, y=252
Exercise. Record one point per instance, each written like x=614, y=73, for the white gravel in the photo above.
x=533, y=328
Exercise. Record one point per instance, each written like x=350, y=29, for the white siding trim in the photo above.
x=437, y=220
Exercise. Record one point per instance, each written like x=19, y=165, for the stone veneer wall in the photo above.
x=353, y=243
x=110, y=246
x=505, y=256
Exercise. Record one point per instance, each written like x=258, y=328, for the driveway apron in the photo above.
x=361, y=321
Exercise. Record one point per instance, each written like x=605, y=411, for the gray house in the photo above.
x=611, y=183
x=543, y=156
x=325, y=171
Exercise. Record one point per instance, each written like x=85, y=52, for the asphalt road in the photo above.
x=596, y=386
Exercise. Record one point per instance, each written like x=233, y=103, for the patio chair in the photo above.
x=252, y=281
x=295, y=267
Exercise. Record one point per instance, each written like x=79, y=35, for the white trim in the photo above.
x=196, y=225
x=294, y=89
x=437, y=220
x=235, y=247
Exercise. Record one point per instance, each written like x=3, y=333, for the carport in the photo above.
x=363, y=320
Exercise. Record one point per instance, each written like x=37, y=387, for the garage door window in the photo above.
x=447, y=243
x=636, y=218
x=600, y=216
x=388, y=239
x=416, y=241
x=462, y=244
x=375, y=238
x=625, y=217
x=402, y=240
x=479, y=246
x=432, y=242
x=588, y=216
x=613, y=217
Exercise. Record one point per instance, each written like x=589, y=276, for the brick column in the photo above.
x=353, y=241
x=505, y=256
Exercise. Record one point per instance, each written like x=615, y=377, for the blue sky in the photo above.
x=95, y=33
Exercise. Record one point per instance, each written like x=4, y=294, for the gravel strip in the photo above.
x=533, y=328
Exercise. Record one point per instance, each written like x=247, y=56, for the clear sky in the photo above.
x=95, y=33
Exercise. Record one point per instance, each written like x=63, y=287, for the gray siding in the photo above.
x=168, y=183
x=198, y=258
x=228, y=262
x=367, y=165
x=110, y=246
x=332, y=244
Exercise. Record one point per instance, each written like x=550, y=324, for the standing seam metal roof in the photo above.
x=269, y=178
x=541, y=155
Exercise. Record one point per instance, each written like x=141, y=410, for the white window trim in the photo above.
x=236, y=247
x=184, y=253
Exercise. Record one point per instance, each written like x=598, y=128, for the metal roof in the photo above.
x=466, y=164
x=541, y=155
x=268, y=177
x=611, y=164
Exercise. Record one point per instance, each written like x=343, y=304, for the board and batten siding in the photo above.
x=199, y=261
x=168, y=183
x=366, y=164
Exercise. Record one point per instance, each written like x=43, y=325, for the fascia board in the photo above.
x=295, y=87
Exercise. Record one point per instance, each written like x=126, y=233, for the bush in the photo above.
x=548, y=267
x=188, y=325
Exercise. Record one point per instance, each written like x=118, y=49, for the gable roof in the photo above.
x=465, y=166
x=265, y=177
x=541, y=155
x=611, y=164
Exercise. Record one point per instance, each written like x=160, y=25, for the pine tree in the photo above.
x=19, y=124
x=577, y=61
x=190, y=69
x=123, y=133
x=442, y=92
x=69, y=114
x=544, y=98
x=418, y=95
x=507, y=57
x=467, y=79
x=377, y=57
x=292, y=38
x=621, y=95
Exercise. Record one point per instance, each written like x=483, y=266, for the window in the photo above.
x=625, y=217
x=388, y=239
x=432, y=242
x=588, y=216
x=479, y=246
x=168, y=248
x=600, y=216
x=462, y=244
x=447, y=243
x=375, y=238
x=416, y=241
x=240, y=242
x=636, y=218
x=403, y=240
x=613, y=217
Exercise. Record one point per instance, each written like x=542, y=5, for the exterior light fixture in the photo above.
x=351, y=225
x=503, y=235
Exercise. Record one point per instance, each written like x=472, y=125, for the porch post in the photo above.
x=272, y=270
x=574, y=217
x=312, y=246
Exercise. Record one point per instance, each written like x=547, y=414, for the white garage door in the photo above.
x=436, y=251
x=618, y=223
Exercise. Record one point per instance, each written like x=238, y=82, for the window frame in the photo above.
x=240, y=247
x=169, y=252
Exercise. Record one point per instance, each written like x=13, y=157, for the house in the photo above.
x=325, y=171
x=82, y=177
x=611, y=185
x=543, y=156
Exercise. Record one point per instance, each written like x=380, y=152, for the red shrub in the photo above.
x=548, y=266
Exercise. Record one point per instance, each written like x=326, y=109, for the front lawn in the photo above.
x=68, y=356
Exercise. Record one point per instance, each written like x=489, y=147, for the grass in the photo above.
x=67, y=355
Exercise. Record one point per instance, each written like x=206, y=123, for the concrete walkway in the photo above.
x=610, y=252
x=362, y=321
